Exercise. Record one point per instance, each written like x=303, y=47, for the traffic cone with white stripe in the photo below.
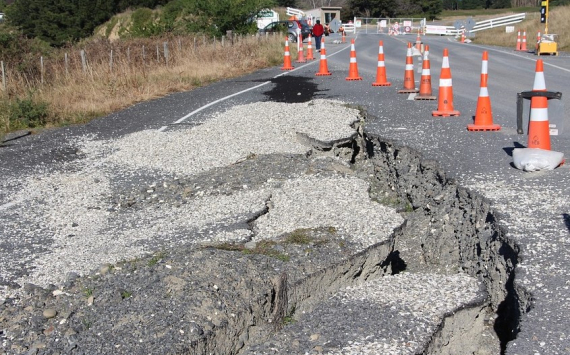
x=425, y=81
x=310, y=49
x=287, y=57
x=343, y=36
x=409, y=83
x=445, y=102
x=483, y=113
x=537, y=41
x=381, y=70
x=523, y=43
x=300, y=56
x=353, y=66
x=538, y=125
x=323, y=65
x=518, y=48
x=418, y=41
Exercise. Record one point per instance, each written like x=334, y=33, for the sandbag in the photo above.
x=534, y=159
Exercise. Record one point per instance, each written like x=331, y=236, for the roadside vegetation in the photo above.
x=61, y=94
x=557, y=24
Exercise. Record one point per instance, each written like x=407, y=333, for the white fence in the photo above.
x=412, y=25
x=479, y=26
x=501, y=21
x=349, y=27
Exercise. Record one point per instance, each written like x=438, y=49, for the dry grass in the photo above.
x=74, y=94
x=557, y=23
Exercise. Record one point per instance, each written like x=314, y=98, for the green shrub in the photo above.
x=144, y=23
x=26, y=113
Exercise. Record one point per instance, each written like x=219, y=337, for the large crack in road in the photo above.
x=304, y=261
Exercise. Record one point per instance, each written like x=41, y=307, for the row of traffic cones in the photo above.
x=521, y=44
x=539, y=131
x=287, y=65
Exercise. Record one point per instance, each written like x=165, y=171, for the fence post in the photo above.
x=111, y=61
x=42, y=69
x=83, y=60
x=194, y=44
x=179, y=45
x=230, y=35
x=66, y=64
x=157, y=54
x=3, y=76
x=165, y=45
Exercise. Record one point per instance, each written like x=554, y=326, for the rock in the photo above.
x=49, y=330
x=250, y=245
x=104, y=269
x=49, y=313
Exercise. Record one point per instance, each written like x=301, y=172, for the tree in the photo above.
x=372, y=8
x=217, y=17
x=59, y=21
x=432, y=8
x=287, y=3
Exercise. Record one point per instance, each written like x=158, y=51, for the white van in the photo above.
x=265, y=17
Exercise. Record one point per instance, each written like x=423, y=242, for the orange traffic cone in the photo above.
x=381, y=71
x=409, y=83
x=300, y=56
x=538, y=126
x=445, y=102
x=463, y=36
x=425, y=81
x=287, y=57
x=483, y=113
x=310, y=49
x=518, y=48
x=343, y=36
x=353, y=66
x=418, y=41
x=523, y=44
x=323, y=65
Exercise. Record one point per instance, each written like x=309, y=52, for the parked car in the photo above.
x=289, y=27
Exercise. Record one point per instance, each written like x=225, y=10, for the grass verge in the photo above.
x=75, y=85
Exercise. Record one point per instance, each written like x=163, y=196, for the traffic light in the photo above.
x=543, y=10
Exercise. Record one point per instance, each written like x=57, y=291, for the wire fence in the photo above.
x=105, y=57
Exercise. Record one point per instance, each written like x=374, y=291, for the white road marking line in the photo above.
x=9, y=204
x=520, y=56
x=182, y=119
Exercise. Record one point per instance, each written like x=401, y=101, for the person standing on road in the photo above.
x=318, y=31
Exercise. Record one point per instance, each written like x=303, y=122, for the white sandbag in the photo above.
x=534, y=159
